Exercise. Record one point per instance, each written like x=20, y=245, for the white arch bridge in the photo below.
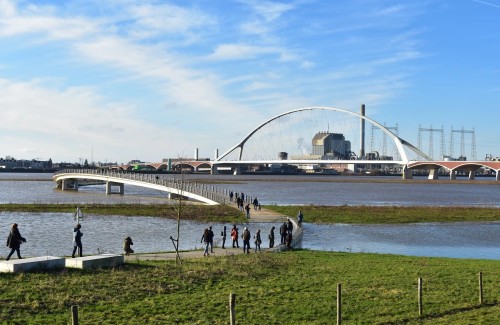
x=321, y=135
x=71, y=179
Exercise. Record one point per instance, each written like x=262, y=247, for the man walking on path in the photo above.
x=271, y=237
x=283, y=231
x=223, y=234
x=211, y=239
x=247, y=209
x=246, y=240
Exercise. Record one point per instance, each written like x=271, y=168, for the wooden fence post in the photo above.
x=339, y=303
x=420, y=309
x=232, y=311
x=74, y=315
x=481, y=288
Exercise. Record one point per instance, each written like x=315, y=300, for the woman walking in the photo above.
x=77, y=240
x=14, y=242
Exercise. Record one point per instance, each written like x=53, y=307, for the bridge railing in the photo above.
x=211, y=192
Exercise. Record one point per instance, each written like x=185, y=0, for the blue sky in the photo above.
x=122, y=79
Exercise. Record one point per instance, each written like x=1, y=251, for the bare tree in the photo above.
x=178, y=207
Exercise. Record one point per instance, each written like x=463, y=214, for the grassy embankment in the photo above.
x=202, y=213
x=289, y=288
x=384, y=215
x=312, y=214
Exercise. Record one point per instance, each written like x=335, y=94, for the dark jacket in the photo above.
x=15, y=239
x=126, y=245
x=77, y=237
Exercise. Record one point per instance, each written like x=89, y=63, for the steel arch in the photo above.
x=400, y=143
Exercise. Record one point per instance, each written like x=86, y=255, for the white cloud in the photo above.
x=270, y=10
x=65, y=123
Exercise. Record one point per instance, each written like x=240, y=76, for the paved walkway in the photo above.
x=262, y=215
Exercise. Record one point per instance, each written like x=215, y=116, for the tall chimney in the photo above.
x=362, y=150
x=216, y=154
x=196, y=154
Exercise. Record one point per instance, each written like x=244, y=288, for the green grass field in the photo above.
x=296, y=287
x=388, y=214
x=202, y=213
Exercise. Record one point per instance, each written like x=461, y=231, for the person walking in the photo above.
x=205, y=240
x=223, y=234
x=271, y=237
x=289, y=240
x=257, y=241
x=77, y=240
x=283, y=231
x=211, y=239
x=247, y=209
x=126, y=246
x=255, y=204
x=246, y=240
x=14, y=241
x=300, y=217
x=290, y=225
x=234, y=237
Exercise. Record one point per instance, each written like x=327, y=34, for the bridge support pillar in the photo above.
x=453, y=175
x=237, y=170
x=69, y=184
x=214, y=170
x=109, y=187
x=433, y=173
x=407, y=174
x=497, y=176
x=472, y=175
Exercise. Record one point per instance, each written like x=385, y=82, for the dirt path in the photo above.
x=262, y=215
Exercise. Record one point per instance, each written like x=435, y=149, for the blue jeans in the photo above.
x=246, y=246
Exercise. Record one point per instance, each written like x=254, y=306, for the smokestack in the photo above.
x=216, y=154
x=362, y=150
x=196, y=154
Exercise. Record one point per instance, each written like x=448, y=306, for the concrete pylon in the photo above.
x=407, y=174
x=433, y=173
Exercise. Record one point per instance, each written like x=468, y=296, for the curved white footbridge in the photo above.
x=71, y=179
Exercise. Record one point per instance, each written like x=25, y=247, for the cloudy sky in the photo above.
x=122, y=79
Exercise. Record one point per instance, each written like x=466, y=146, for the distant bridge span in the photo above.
x=73, y=178
x=455, y=166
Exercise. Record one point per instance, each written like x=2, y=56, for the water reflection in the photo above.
x=51, y=234
x=460, y=240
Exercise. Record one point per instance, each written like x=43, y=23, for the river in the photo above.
x=50, y=233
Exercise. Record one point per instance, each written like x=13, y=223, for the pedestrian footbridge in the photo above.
x=71, y=179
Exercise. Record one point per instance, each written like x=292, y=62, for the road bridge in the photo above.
x=298, y=138
x=71, y=179
x=454, y=167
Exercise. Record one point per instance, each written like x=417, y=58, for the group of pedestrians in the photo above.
x=14, y=241
x=239, y=199
x=285, y=231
